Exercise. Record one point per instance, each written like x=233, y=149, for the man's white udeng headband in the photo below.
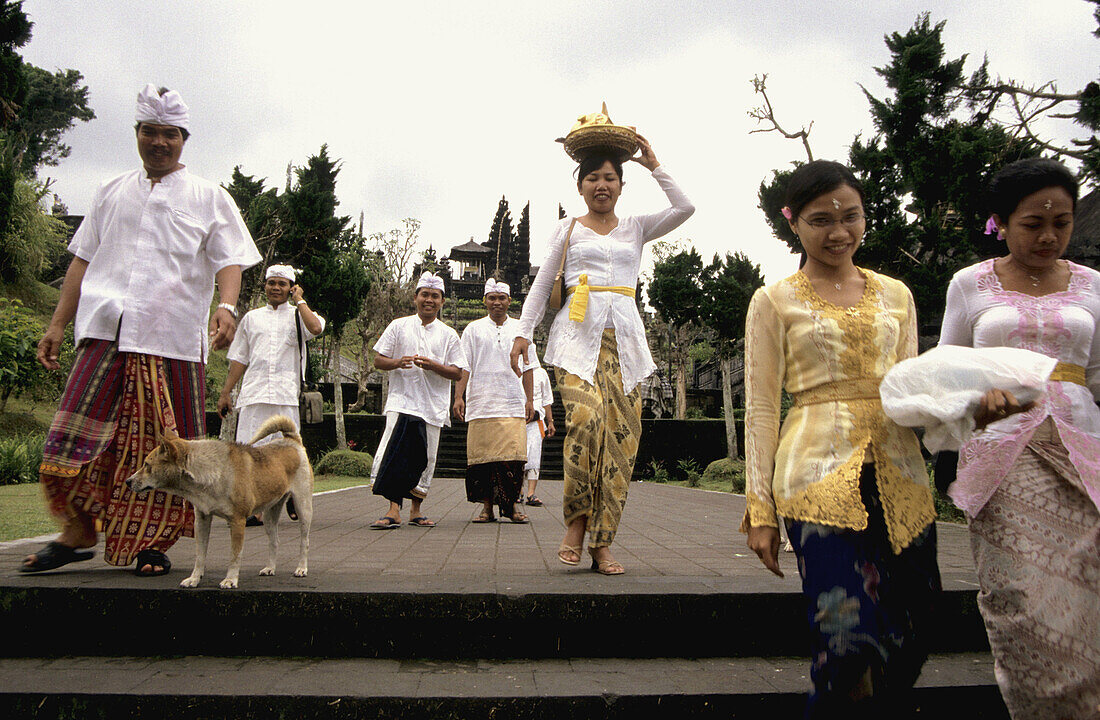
x=492, y=286
x=282, y=271
x=167, y=109
x=427, y=280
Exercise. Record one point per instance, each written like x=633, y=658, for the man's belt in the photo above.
x=579, y=307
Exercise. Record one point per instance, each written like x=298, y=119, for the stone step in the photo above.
x=528, y=618
x=259, y=687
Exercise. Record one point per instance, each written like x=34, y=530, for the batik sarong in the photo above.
x=602, y=429
x=404, y=458
x=496, y=450
x=1036, y=545
x=114, y=411
x=869, y=610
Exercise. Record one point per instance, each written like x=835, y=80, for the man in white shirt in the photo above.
x=422, y=356
x=268, y=352
x=542, y=425
x=139, y=286
x=496, y=404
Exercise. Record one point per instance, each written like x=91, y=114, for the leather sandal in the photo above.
x=606, y=567
x=569, y=549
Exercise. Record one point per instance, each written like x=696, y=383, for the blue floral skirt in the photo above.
x=869, y=610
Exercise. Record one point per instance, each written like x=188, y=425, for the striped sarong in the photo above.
x=603, y=426
x=114, y=410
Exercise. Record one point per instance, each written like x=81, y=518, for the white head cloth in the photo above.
x=167, y=109
x=428, y=280
x=492, y=286
x=282, y=271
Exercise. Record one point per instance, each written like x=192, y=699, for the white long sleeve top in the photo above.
x=267, y=342
x=152, y=251
x=609, y=260
x=1063, y=325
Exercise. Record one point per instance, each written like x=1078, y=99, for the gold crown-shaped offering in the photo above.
x=595, y=133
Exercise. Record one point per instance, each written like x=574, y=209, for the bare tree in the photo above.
x=390, y=294
x=766, y=114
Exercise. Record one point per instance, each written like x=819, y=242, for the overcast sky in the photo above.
x=436, y=109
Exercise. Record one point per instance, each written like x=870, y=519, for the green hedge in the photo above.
x=344, y=462
x=20, y=458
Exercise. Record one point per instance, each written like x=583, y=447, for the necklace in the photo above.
x=837, y=285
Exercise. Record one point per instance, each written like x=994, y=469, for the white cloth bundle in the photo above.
x=941, y=389
x=282, y=271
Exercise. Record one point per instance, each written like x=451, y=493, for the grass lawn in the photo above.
x=23, y=511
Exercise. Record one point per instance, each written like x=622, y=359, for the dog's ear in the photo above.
x=174, y=448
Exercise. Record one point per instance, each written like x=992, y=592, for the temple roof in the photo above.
x=471, y=247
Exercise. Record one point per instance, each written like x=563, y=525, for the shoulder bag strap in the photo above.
x=301, y=350
x=564, y=250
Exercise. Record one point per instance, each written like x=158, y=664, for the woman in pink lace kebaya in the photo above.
x=1030, y=481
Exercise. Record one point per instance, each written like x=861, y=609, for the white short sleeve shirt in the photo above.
x=152, y=251
x=415, y=391
x=267, y=342
x=493, y=390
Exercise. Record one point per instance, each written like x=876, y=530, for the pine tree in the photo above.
x=332, y=259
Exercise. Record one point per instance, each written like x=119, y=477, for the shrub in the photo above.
x=689, y=468
x=656, y=472
x=20, y=458
x=344, y=462
x=727, y=471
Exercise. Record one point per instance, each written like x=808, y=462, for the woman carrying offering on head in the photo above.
x=598, y=344
x=1030, y=481
x=849, y=483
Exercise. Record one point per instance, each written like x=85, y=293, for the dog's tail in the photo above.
x=277, y=423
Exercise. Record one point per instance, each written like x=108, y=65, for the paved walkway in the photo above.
x=671, y=539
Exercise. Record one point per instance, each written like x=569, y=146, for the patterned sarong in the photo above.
x=869, y=610
x=1036, y=544
x=496, y=449
x=602, y=428
x=114, y=410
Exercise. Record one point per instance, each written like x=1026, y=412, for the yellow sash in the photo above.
x=579, y=306
x=1068, y=372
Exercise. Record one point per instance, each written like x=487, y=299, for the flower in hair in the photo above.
x=990, y=226
x=786, y=212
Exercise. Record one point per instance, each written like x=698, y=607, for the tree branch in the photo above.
x=766, y=113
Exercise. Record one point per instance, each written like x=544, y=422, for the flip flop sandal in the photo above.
x=519, y=519
x=533, y=501
x=484, y=518
x=54, y=555
x=422, y=522
x=152, y=558
x=385, y=523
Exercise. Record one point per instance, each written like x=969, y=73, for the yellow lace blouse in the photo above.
x=831, y=360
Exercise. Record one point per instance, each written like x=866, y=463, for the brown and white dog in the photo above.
x=234, y=481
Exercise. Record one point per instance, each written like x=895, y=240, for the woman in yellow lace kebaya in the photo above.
x=850, y=484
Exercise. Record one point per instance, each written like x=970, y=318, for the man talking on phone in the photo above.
x=267, y=353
